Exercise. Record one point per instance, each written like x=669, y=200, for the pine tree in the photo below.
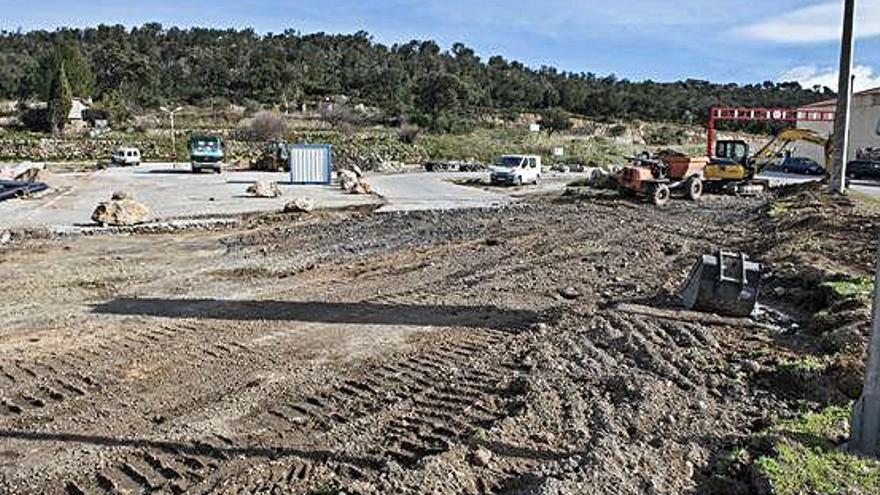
x=60, y=100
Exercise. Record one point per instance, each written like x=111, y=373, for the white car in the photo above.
x=126, y=157
x=516, y=170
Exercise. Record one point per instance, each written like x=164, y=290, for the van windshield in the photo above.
x=206, y=144
x=509, y=161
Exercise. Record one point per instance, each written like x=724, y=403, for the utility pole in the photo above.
x=173, y=135
x=844, y=100
x=865, y=436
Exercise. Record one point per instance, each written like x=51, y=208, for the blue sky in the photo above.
x=719, y=40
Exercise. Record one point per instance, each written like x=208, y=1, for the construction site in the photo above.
x=439, y=290
x=434, y=334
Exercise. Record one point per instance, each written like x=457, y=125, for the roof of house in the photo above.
x=76, y=109
x=833, y=101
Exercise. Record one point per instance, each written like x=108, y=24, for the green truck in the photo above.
x=206, y=152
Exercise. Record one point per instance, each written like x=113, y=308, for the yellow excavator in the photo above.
x=733, y=168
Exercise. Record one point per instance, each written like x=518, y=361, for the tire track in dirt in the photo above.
x=406, y=410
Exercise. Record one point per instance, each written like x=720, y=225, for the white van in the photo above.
x=516, y=170
x=126, y=156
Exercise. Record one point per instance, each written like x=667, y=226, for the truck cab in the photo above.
x=516, y=170
x=206, y=152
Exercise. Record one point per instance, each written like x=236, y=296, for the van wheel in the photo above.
x=694, y=188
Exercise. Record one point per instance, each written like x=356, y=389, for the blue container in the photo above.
x=311, y=164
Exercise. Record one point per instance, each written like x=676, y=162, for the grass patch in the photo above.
x=804, y=458
x=780, y=208
x=859, y=288
x=807, y=365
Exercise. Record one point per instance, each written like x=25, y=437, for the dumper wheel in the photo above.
x=659, y=195
x=694, y=188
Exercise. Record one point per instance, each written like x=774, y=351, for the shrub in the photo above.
x=341, y=116
x=409, y=133
x=35, y=119
x=264, y=126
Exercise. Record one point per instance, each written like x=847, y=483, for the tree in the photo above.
x=79, y=74
x=60, y=100
x=555, y=120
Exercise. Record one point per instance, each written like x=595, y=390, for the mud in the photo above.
x=366, y=353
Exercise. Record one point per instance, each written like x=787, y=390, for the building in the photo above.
x=75, y=119
x=864, y=125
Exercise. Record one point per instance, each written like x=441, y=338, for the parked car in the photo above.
x=802, y=165
x=516, y=170
x=126, y=157
x=863, y=169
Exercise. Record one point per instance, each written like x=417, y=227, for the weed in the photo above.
x=857, y=288
x=807, y=365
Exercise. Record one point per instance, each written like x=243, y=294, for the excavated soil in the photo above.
x=474, y=352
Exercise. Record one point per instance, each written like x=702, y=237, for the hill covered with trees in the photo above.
x=151, y=65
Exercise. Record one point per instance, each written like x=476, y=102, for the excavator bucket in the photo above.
x=723, y=283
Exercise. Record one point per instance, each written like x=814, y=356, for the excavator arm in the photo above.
x=783, y=140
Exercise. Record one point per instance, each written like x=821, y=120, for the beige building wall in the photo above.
x=864, y=126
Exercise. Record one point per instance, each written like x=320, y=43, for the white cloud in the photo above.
x=817, y=23
x=812, y=75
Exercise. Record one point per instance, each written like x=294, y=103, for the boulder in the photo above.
x=351, y=182
x=264, y=189
x=348, y=180
x=120, y=212
x=300, y=205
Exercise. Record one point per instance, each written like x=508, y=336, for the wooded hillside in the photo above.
x=151, y=65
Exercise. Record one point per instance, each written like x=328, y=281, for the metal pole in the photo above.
x=866, y=415
x=844, y=101
x=173, y=142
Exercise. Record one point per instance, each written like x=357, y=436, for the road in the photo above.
x=870, y=188
x=173, y=192
x=440, y=191
x=169, y=191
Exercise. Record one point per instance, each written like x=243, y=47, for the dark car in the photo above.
x=802, y=165
x=863, y=169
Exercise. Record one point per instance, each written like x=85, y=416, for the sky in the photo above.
x=739, y=41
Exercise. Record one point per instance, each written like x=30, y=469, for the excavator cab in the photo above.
x=735, y=151
x=732, y=162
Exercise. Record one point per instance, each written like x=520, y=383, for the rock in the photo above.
x=362, y=188
x=569, y=293
x=120, y=212
x=348, y=180
x=300, y=205
x=481, y=457
x=264, y=189
x=120, y=196
x=752, y=366
x=352, y=183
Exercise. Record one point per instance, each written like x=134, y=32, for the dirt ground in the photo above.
x=480, y=352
